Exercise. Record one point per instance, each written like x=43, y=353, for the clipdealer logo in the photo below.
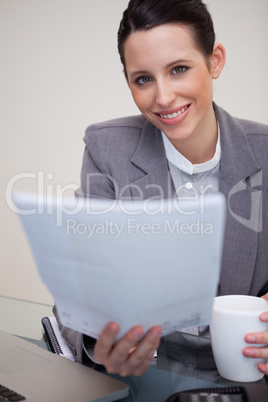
x=135, y=227
x=247, y=213
x=255, y=211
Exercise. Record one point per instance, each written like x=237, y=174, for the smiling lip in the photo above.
x=174, y=116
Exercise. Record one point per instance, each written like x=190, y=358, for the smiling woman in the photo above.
x=181, y=146
x=171, y=84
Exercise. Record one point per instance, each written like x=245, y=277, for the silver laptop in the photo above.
x=37, y=375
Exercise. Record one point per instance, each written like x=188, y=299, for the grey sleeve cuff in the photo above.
x=73, y=338
x=88, y=344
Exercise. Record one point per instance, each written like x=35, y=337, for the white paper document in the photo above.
x=132, y=263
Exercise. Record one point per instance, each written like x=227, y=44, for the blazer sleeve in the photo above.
x=101, y=167
x=74, y=339
x=94, y=184
x=81, y=346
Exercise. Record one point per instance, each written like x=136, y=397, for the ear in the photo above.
x=217, y=60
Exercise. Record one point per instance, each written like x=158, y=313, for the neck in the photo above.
x=201, y=147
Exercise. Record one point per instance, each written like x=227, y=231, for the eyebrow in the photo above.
x=142, y=72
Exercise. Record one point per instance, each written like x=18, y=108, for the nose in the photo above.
x=165, y=94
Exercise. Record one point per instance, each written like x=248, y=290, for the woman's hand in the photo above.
x=128, y=356
x=258, y=337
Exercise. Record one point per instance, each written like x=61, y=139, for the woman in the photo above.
x=170, y=59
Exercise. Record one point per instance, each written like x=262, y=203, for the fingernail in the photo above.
x=137, y=333
x=155, y=334
x=251, y=338
x=263, y=368
x=249, y=353
x=264, y=316
x=112, y=328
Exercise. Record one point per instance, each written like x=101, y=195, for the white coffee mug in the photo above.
x=232, y=318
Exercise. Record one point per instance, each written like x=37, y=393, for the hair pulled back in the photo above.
x=142, y=15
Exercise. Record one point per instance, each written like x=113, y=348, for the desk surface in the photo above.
x=23, y=318
x=184, y=361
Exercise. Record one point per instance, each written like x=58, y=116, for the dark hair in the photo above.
x=142, y=15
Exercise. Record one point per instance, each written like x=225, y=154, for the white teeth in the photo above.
x=173, y=115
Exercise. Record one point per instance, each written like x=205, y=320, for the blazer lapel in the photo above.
x=154, y=179
x=240, y=182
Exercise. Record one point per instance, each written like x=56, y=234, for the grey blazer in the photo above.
x=125, y=158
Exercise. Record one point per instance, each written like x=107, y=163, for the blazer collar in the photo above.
x=150, y=151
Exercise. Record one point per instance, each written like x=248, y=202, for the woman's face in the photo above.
x=171, y=82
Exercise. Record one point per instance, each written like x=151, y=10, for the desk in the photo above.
x=184, y=361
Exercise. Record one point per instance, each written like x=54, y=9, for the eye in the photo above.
x=143, y=80
x=179, y=70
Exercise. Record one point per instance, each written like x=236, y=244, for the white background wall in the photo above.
x=60, y=72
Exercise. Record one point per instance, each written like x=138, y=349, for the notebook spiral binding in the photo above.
x=51, y=337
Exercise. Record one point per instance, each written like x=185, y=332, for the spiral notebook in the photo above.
x=56, y=341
